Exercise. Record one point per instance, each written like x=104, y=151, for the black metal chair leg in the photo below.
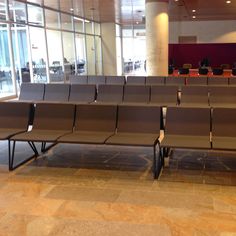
x=33, y=148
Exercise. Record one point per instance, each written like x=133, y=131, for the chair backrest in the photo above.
x=110, y=93
x=164, y=95
x=194, y=95
x=14, y=115
x=136, y=94
x=54, y=116
x=188, y=121
x=234, y=71
x=203, y=71
x=31, y=92
x=183, y=71
x=218, y=81
x=217, y=71
x=56, y=77
x=57, y=92
x=224, y=122
x=97, y=118
x=175, y=81
x=96, y=79
x=139, y=119
x=136, y=80
x=82, y=93
x=196, y=81
x=78, y=79
x=115, y=80
x=155, y=80
x=222, y=95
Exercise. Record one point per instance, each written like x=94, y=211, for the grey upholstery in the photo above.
x=94, y=124
x=164, y=95
x=224, y=96
x=136, y=80
x=96, y=79
x=57, y=92
x=196, y=81
x=32, y=92
x=51, y=121
x=110, y=93
x=137, y=125
x=218, y=81
x=14, y=118
x=224, y=128
x=82, y=93
x=155, y=80
x=136, y=94
x=187, y=128
x=78, y=79
x=194, y=96
x=115, y=80
x=180, y=81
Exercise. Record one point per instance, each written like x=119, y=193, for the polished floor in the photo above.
x=95, y=190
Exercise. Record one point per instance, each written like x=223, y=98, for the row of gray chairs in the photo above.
x=195, y=96
x=152, y=80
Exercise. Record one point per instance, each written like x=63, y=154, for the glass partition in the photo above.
x=90, y=55
x=80, y=54
x=35, y=15
x=52, y=19
x=17, y=11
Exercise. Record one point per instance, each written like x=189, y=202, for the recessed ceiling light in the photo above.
x=193, y=10
x=228, y=2
x=194, y=17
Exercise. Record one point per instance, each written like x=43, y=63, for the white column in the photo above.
x=157, y=37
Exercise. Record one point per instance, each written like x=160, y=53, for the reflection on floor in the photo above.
x=96, y=190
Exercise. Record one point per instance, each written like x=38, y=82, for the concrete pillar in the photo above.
x=157, y=37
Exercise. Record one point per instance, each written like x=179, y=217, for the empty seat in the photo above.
x=194, y=96
x=222, y=96
x=187, y=128
x=183, y=71
x=155, y=80
x=93, y=124
x=203, y=71
x=110, y=93
x=223, y=128
x=136, y=94
x=180, y=81
x=196, y=81
x=164, y=95
x=31, y=92
x=218, y=81
x=78, y=79
x=139, y=80
x=217, y=71
x=96, y=79
x=115, y=80
x=82, y=93
x=57, y=92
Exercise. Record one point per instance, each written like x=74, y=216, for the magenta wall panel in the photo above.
x=217, y=53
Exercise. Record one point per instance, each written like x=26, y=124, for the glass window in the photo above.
x=66, y=22
x=35, y=15
x=79, y=24
x=3, y=14
x=90, y=50
x=52, y=4
x=80, y=54
x=66, y=6
x=97, y=28
x=89, y=27
x=98, y=55
x=52, y=19
x=17, y=11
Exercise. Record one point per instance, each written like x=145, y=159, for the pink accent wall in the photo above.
x=217, y=53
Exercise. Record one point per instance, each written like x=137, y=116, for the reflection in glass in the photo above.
x=35, y=15
x=66, y=22
x=3, y=15
x=52, y=19
x=17, y=11
x=79, y=24
x=52, y=4
x=89, y=27
x=80, y=54
x=90, y=55
x=97, y=28
x=98, y=55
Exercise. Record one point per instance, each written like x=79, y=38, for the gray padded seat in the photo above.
x=51, y=122
x=82, y=93
x=78, y=79
x=196, y=81
x=224, y=129
x=136, y=80
x=56, y=77
x=57, y=92
x=155, y=80
x=137, y=126
x=31, y=92
x=94, y=124
x=218, y=81
x=194, y=96
x=14, y=118
x=164, y=95
x=136, y=94
x=187, y=128
x=115, y=80
x=222, y=96
x=96, y=79
x=179, y=81
x=110, y=93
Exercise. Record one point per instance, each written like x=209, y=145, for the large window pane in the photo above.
x=35, y=15
x=80, y=54
x=6, y=85
x=79, y=24
x=66, y=22
x=66, y=6
x=98, y=55
x=17, y=11
x=52, y=19
x=97, y=28
x=3, y=15
x=90, y=55
x=89, y=27
x=38, y=48
x=52, y=3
